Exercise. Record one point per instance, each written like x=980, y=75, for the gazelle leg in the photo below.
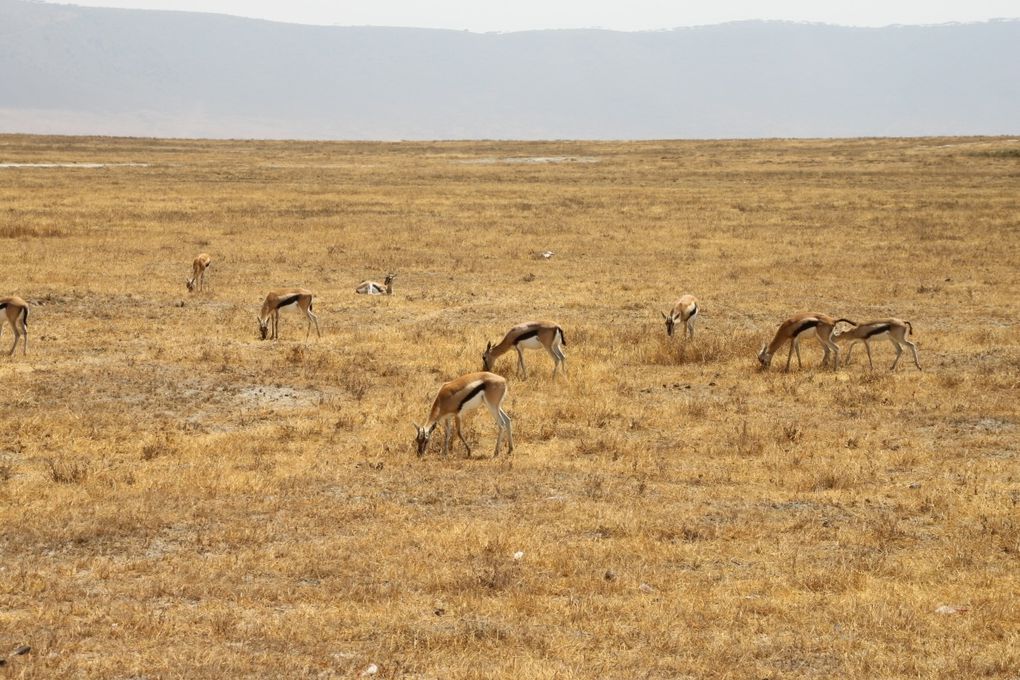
x=312, y=318
x=508, y=426
x=521, y=368
x=446, y=437
x=503, y=426
x=562, y=358
x=24, y=339
x=555, y=358
x=867, y=347
x=826, y=348
x=899, y=351
x=793, y=343
x=834, y=348
x=913, y=349
x=796, y=347
x=690, y=328
x=460, y=434
x=495, y=411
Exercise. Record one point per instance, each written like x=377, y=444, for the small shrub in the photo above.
x=594, y=487
x=68, y=472
x=747, y=442
x=6, y=469
x=22, y=231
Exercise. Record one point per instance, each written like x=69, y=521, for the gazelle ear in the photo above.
x=488, y=346
x=664, y=315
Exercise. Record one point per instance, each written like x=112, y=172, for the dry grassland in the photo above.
x=180, y=499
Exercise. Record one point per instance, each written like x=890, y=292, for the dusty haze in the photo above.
x=132, y=72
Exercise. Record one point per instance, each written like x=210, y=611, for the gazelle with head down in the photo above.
x=529, y=335
x=460, y=396
x=894, y=329
x=16, y=311
x=791, y=329
x=685, y=311
x=198, y=267
x=373, y=288
x=300, y=298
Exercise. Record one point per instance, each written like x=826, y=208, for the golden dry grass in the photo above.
x=179, y=499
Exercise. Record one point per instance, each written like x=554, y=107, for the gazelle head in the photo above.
x=487, y=357
x=263, y=326
x=764, y=357
x=191, y=284
x=670, y=323
x=389, y=279
x=421, y=440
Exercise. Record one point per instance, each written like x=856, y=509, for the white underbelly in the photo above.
x=530, y=343
x=473, y=403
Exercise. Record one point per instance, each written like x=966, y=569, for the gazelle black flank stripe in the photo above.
x=471, y=395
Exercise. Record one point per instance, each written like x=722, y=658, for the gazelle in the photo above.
x=198, y=267
x=16, y=310
x=529, y=335
x=284, y=297
x=894, y=329
x=823, y=324
x=373, y=288
x=685, y=311
x=459, y=396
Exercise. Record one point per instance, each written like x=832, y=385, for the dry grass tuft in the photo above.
x=67, y=471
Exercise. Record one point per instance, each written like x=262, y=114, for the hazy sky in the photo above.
x=626, y=15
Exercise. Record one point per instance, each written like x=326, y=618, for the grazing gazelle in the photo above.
x=373, y=288
x=198, y=268
x=529, y=335
x=791, y=329
x=894, y=329
x=17, y=315
x=283, y=297
x=459, y=396
x=685, y=311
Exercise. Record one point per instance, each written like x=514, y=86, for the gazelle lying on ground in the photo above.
x=529, y=335
x=284, y=297
x=459, y=396
x=198, y=268
x=791, y=329
x=894, y=329
x=373, y=288
x=685, y=311
x=16, y=310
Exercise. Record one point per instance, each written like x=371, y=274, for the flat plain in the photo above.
x=181, y=499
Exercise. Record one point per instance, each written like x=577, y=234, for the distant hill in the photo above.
x=134, y=72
